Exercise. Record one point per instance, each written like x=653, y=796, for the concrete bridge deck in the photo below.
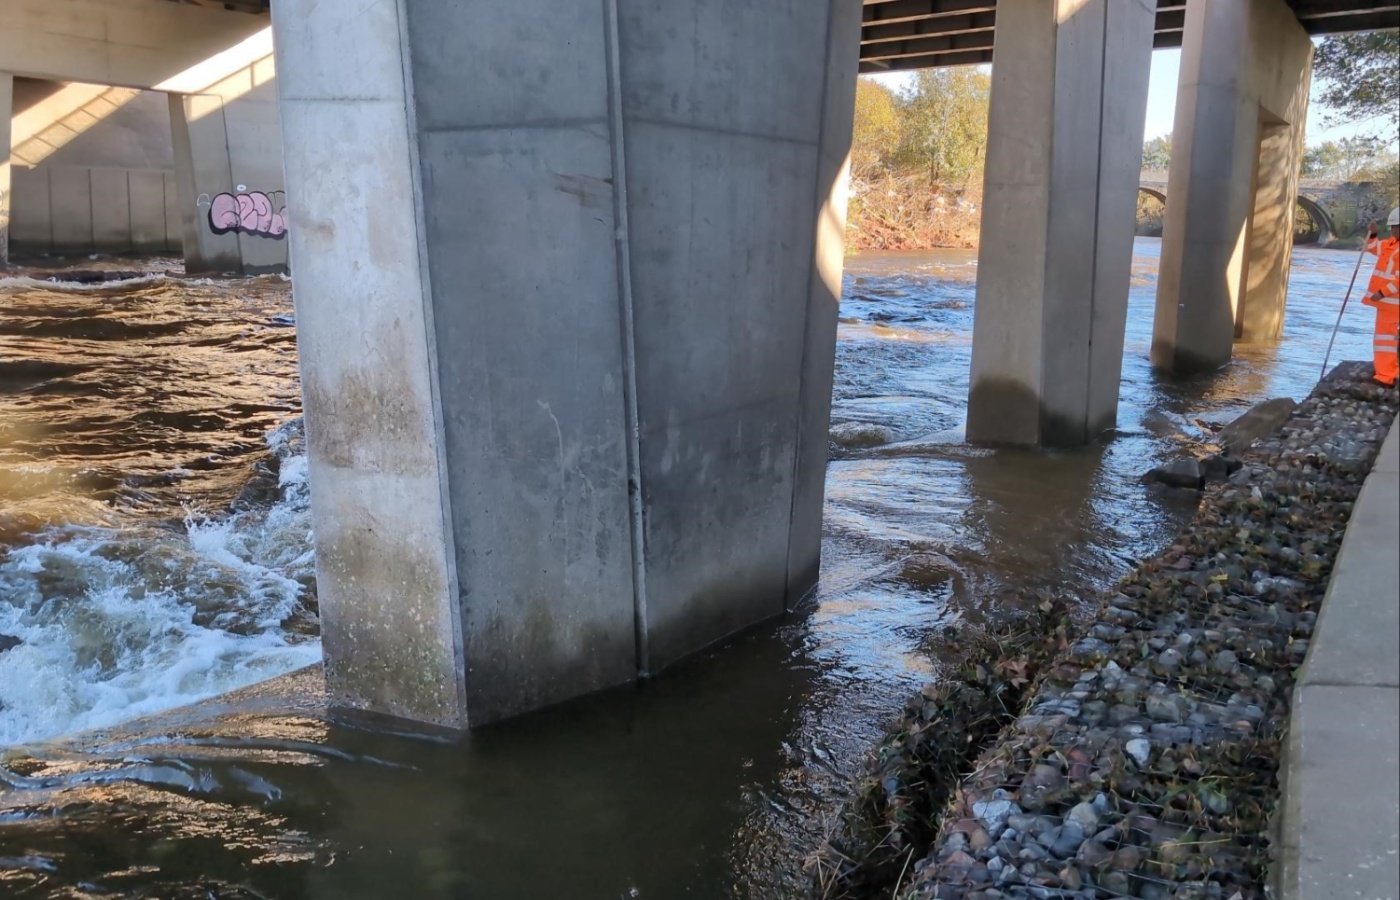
x=920, y=34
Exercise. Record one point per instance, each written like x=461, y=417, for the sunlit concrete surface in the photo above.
x=1340, y=835
x=1238, y=143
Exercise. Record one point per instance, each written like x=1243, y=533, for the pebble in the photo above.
x=996, y=811
x=1127, y=858
x=1085, y=816
x=1225, y=662
x=1094, y=854
x=1116, y=883
x=1140, y=750
x=1163, y=708
x=1066, y=842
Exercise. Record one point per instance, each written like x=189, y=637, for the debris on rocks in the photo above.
x=895, y=810
x=1144, y=762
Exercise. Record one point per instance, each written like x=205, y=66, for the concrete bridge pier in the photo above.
x=1237, y=145
x=1069, y=99
x=566, y=286
x=7, y=99
x=200, y=139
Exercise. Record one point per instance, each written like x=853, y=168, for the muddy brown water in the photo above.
x=132, y=413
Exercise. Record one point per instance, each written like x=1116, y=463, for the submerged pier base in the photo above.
x=567, y=315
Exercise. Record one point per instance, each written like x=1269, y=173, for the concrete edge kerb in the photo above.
x=1388, y=463
x=1341, y=775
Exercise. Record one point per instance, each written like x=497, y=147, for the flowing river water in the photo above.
x=156, y=549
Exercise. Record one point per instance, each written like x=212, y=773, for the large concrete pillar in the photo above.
x=228, y=160
x=1069, y=98
x=1237, y=148
x=200, y=139
x=228, y=173
x=566, y=279
x=7, y=98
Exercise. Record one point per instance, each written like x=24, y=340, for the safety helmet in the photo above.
x=1394, y=218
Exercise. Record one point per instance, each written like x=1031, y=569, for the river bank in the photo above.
x=1145, y=762
x=905, y=212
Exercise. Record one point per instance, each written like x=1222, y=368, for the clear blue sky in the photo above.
x=1161, y=102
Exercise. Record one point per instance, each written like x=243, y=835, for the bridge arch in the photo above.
x=1324, y=231
x=1325, y=228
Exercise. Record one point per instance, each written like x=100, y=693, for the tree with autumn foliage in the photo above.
x=916, y=161
x=945, y=125
x=879, y=129
x=1358, y=79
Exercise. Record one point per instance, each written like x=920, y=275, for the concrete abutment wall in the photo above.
x=92, y=170
x=567, y=313
x=7, y=95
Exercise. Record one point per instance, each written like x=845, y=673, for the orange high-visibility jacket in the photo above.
x=1385, y=280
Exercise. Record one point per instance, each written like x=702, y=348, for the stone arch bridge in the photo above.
x=1311, y=195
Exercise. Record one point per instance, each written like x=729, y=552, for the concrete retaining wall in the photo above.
x=62, y=209
x=1339, y=834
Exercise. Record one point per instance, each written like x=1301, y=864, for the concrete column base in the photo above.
x=567, y=314
x=7, y=96
x=200, y=139
x=1237, y=149
x=1069, y=98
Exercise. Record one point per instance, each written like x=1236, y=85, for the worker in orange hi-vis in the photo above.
x=1384, y=294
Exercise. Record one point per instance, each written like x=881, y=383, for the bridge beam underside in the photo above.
x=1238, y=141
x=1069, y=99
x=567, y=314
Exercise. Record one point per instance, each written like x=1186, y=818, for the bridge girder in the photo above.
x=899, y=35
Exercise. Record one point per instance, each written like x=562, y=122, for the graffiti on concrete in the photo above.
x=251, y=212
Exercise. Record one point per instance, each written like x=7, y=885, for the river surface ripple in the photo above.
x=133, y=414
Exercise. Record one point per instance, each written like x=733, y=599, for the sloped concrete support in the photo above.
x=228, y=173
x=566, y=312
x=1069, y=98
x=200, y=138
x=1237, y=145
x=7, y=97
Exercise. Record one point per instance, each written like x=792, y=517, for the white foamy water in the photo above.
x=19, y=282
x=117, y=623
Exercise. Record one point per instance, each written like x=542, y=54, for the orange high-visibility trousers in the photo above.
x=1383, y=293
x=1384, y=348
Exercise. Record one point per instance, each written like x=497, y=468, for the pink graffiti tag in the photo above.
x=250, y=213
